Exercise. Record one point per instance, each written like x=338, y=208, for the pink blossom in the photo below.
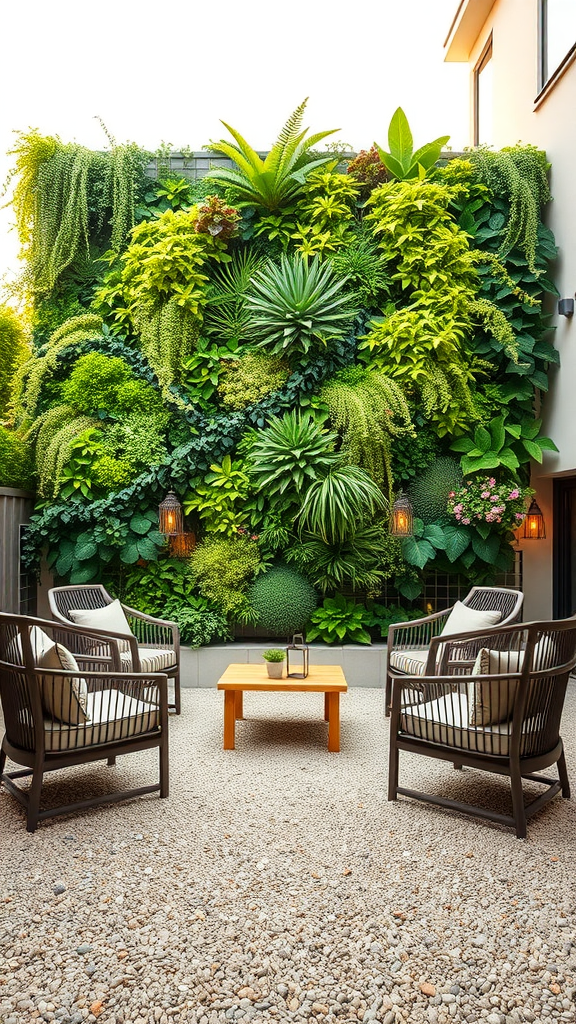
x=499, y=520
x=485, y=494
x=452, y=494
x=514, y=494
x=492, y=482
x=519, y=515
x=466, y=522
x=458, y=515
x=494, y=497
x=458, y=508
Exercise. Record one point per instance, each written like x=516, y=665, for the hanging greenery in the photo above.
x=368, y=409
x=13, y=352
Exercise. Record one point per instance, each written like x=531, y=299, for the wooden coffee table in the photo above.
x=326, y=679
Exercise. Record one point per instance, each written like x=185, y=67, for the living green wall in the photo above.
x=286, y=344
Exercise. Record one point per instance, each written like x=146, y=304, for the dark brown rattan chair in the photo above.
x=504, y=720
x=406, y=637
x=49, y=727
x=156, y=643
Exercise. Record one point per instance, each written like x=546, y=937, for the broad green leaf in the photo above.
x=391, y=164
x=435, y=534
x=509, y=459
x=417, y=552
x=534, y=450
x=400, y=139
x=463, y=444
x=497, y=434
x=486, y=549
x=483, y=441
x=547, y=444
x=84, y=573
x=140, y=523
x=129, y=553
x=410, y=589
x=456, y=540
x=85, y=551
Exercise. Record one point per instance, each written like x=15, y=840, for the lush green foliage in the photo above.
x=339, y=620
x=289, y=454
x=283, y=600
x=13, y=351
x=402, y=162
x=222, y=569
x=274, y=182
x=213, y=349
x=274, y=654
x=297, y=307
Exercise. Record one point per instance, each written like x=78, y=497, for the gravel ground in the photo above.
x=277, y=884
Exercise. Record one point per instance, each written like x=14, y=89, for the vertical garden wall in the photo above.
x=286, y=344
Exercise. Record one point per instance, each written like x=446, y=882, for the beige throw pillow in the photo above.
x=64, y=698
x=110, y=617
x=463, y=619
x=492, y=701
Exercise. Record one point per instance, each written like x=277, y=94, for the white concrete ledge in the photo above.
x=363, y=665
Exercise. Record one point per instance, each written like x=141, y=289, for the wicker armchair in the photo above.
x=504, y=717
x=57, y=717
x=154, y=647
x=408, y=647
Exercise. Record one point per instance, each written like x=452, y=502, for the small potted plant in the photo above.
x=274, y=659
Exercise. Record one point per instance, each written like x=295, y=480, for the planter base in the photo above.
x=363, y=665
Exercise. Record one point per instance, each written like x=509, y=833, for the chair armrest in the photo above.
x=416, y=632
x=156, y=630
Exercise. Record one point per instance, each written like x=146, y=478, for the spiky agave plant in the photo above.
x=271, y=183
x=297, y=305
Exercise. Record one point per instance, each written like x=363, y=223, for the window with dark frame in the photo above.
x=483, y=97
x=557, y=37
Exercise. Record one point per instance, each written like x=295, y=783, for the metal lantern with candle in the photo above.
x=402, y=519
x=534, y=525
x=297, y=658
x=170, y=516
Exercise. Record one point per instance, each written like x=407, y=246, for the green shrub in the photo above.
x=283, y=600
x=335, y=506
x=112, y=474
x=222, y=569
x=16, y=465
x=429, y=491
x=382, y=616
x=137, y=438
x=13, y=351
x=274, y=654
x=100, y=383
x=198, y=627
x=340, y=620
x=248, y=379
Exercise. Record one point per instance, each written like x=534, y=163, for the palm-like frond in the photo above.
x=271, y=183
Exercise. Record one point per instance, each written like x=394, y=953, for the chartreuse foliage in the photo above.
x=284, y=356
x=275, y=181
x=13, y=352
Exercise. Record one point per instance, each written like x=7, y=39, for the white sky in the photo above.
x=169, y=72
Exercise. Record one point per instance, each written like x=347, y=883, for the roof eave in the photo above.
x=465, y=29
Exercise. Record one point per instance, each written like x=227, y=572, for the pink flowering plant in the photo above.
x=484, y=501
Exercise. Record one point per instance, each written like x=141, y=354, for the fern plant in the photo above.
x=297, y=307
x=271, y=183
x=368, y=409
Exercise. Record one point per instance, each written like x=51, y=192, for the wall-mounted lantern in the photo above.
x=534, y=526
x=402, y=518
x=182, y=544
x=170, y=516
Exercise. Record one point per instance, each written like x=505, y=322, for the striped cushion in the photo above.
x=412, y=663
x=445, y=721
x=152, y=659
x=113, y=716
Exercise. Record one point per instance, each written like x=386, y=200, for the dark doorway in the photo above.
x=564, y=547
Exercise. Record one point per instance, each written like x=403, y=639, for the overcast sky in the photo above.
x=167, y=72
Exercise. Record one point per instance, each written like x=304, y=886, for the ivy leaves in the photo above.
x=502, y=444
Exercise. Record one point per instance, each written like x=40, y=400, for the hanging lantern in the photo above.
x=534, y=526
x=297, y=658
x=182, y=544
x=170, y=513
x=402, y=519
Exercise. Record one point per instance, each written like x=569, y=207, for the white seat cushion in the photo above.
x=492, y=700
x=113, y=716
x=411, y=662
x=152, y=659
x=445, y=721
x=111, y=617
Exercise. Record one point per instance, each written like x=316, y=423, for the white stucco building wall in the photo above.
x=524, y=111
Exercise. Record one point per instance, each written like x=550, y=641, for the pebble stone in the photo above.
x=278, y=884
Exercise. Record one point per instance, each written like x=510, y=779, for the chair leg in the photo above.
x=518, y=810
x=34, y=794
x=457, y=767
x=393, y=767
x=177, y=695
x=2, y=760
x=164, y=783
x=563, y=776
x=388, y=695
x=111, y=762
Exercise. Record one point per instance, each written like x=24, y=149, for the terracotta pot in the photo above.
x=275, y=669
